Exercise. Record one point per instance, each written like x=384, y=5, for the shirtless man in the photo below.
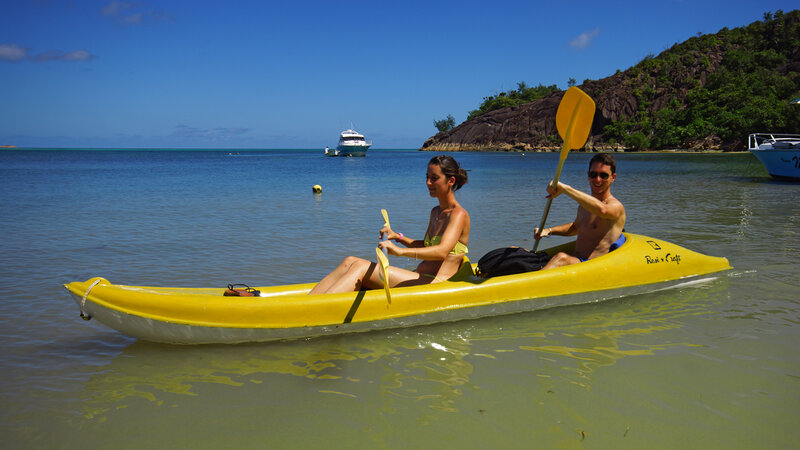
x=600, y=219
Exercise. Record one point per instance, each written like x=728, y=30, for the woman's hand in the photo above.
x=390, y=235
x=389, y=246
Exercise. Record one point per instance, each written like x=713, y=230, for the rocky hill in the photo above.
x=706, y=93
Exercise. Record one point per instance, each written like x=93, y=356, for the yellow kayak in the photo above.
x=204, y=315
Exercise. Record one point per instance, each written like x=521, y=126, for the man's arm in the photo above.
x=567, y=229
x=611, y=210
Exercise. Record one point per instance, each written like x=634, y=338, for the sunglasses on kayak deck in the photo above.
x=602, y=175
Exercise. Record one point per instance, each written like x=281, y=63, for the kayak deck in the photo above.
x=204, y=315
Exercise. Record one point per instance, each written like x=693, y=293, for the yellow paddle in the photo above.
x=573, y=121
x=383, y=272
x=385, y=218
x=383, y=261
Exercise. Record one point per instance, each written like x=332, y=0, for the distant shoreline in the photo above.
x=599, y=150
x=455, y=150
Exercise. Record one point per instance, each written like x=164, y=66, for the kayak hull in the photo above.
x=204, y=315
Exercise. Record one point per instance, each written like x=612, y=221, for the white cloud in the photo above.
x=15, y=53
x=133, y=13
x=584, y=39
x=78, y=55
x=115, y=8
x=133, y=19
x=56, y=55
x=12, y=53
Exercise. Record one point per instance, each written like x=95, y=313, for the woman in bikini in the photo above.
x=442, y=251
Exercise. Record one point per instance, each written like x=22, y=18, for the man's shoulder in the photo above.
x=611, y=199
x=614, y=203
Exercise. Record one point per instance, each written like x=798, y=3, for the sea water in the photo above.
x=709, y=365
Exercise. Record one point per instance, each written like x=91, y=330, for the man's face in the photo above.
x=600, y=177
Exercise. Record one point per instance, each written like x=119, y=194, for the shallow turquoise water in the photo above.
x=713, y=365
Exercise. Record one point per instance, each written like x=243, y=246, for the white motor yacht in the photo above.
x=352, y=143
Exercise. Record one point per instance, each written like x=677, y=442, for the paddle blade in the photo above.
x=385, y=218
x=383, y=272
x=574, y=118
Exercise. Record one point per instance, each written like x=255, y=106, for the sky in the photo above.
x=293, y=74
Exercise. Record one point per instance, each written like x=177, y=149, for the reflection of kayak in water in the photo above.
x=204, y=315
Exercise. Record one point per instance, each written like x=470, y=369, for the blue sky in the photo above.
x=266, y=74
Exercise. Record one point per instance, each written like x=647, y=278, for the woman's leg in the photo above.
x=354, y=274
x=325, y=284
x=363, y=274
x=402, y=277
x=354, y=277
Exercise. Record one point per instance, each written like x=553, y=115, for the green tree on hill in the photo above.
x=523, y=94
x=749, y=90
x=711, y=88
x=446, y=124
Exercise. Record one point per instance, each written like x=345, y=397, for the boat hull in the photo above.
x=352, y=150
x=780, y=163
x=203, y=315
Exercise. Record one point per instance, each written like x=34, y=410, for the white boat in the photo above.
x=780, y=153
x=352, y=143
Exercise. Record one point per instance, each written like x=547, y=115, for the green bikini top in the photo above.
x=459, y=249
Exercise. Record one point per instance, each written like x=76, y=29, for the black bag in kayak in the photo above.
x=510, y=260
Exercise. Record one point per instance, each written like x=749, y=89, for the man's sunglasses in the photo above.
x=602, y=175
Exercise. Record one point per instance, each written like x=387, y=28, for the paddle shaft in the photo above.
x=544, y=219
x=383, y=261
x=562, y=158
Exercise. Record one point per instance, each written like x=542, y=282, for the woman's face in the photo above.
x=437, y=182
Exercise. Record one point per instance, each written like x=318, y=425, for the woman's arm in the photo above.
x=400, y=238
x=405, y=240
x=451, y=234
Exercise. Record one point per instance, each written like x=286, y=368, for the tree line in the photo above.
x=748, y=88
x=751, y=90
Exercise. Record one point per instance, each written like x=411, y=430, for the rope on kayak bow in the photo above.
x=85, y=316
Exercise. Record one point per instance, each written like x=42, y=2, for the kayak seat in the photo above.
x=464, y=272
